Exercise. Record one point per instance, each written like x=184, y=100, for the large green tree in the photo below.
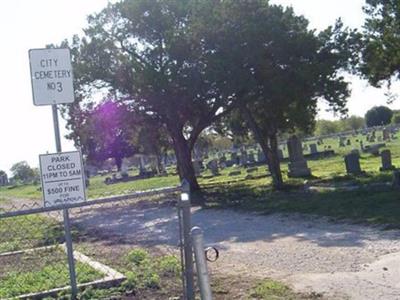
x=149, y=53
x=278, y=69
x=381, y=41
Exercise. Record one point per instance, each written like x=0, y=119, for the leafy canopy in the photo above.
x=378, y=115
x=381, y=41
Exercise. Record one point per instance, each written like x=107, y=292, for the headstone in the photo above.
x=341, y=142
x=386, y=134
x=261, y=156
x=222, y=159
x=297, y=165
x=352, y=162
x=93, y=170
x=235, y=158
x=124, y=168
x=213, y=166
x=243, y=158
x=386, y=157
x=313, y=148
x=251, y=157
x=372, y=138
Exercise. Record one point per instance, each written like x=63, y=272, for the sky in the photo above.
x=27, y=130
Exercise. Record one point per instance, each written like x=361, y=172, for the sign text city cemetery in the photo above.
x=51, y=75
x=62, y=178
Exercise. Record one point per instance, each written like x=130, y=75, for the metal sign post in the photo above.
x=67, y=227
x=52, y=84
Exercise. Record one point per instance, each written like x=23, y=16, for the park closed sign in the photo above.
x=51, y=76
x=63, y=180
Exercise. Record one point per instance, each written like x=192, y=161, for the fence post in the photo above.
x=201, y=263
x=186, y=242
x=70, y=254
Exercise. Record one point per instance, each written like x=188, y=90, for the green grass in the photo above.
x=327, y=170
x=256, y=193
x=30, y=231
x=36, y=272
x=150, y=275
x=270, y=290
x=97, y=188
x=379, y=207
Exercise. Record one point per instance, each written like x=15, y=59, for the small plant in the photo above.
x=269, y=289
x=131, y=281
x=169, y=265
x=152, y=280
x=138, y=256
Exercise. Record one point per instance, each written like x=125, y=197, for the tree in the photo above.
x=21, y=171
x=149, y=53
x=152, y=140
x=396, y=118
x=378, y=116
x=277, y=69
x=381, y=41
x=352, y=123
x=105, y=131
x=326, y=127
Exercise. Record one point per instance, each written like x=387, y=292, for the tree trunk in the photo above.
x=184, y=158
x=118, y=162
x=270, y=152
x=274, y=164
x=160, y=168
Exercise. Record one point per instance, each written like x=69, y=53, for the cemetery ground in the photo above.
x=330, y=235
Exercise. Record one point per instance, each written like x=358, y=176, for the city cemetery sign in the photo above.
x=51, y=76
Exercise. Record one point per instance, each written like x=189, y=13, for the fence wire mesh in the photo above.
x=128, y=244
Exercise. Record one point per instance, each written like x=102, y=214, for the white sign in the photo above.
x=62, y=177
x=51, y=76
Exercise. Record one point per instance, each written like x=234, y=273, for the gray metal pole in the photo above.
x=201, y=263
x=188, y=250
x=181, y=250
x=67, y=227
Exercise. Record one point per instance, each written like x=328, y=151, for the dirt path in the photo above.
x=340, y=261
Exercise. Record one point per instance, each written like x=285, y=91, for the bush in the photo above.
x=152, y=280
x=169, y=265
x=396, y=118
x=138, y=256
x=131, y=281
x=378, y=115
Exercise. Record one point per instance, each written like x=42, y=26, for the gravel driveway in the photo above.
x=338, y=260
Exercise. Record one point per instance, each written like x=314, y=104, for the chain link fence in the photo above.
x=127, y=244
